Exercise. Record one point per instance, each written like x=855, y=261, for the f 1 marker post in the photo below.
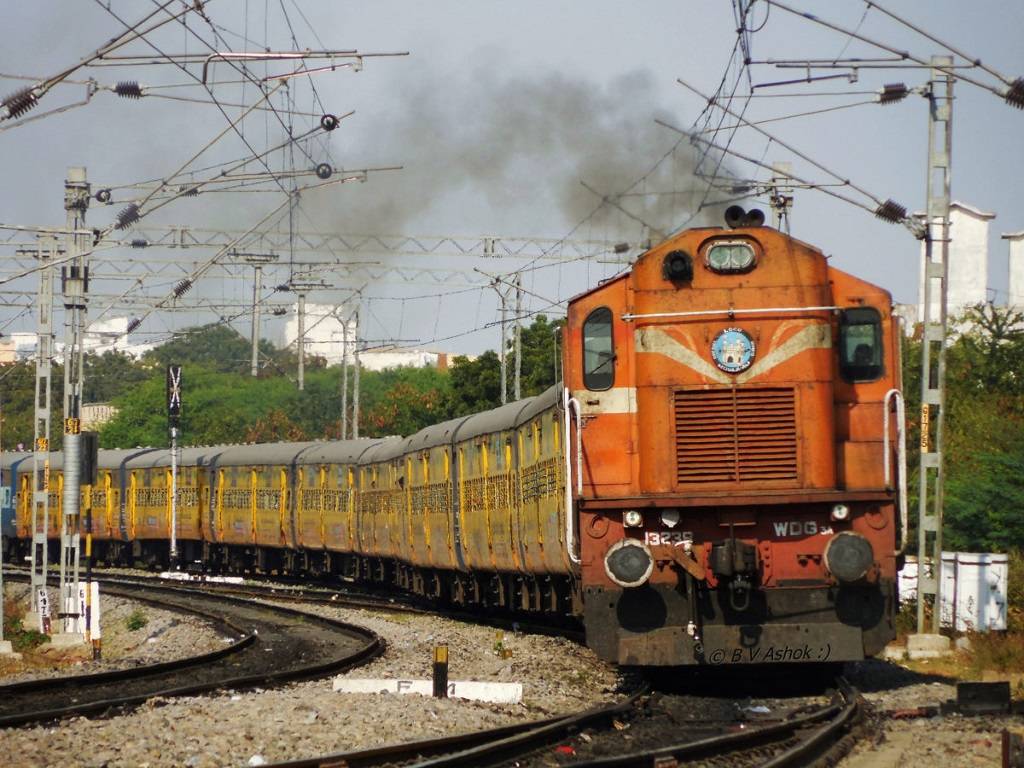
x=174, y=422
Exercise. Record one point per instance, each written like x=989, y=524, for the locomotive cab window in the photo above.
x=598, y=350
x=860, y=344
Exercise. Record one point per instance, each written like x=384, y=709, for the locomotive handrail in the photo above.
x=730, y=311
x=901, y=454
x=570, y=404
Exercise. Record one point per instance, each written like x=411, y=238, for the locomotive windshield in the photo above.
x=860, y=344
x=598, y=350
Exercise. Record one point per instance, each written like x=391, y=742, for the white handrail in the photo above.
x=569, y=403
x=901, y=457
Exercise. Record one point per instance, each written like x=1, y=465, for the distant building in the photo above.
x=8, y=351
x=968, y=261
x=325, y=335
x=1016, y=283
x=398, y=357
x=95, y=415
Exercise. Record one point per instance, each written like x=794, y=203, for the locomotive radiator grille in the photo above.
x=735, y=435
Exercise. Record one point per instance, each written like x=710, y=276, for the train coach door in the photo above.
x=604, y=390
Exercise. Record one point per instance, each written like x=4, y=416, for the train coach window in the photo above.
x=598, y=350
x=860, y=344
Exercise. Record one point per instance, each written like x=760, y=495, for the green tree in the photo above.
x=109, y=375
x=17, y=404
x=216, y=346
x=984, y=429
x=476, y=384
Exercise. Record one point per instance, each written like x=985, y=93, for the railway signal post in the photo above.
x=174, y=423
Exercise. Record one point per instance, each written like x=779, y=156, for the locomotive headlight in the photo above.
x=632, y=518
x=849, y=556
x=840, y=512
x=670, y=517
x=629, y=563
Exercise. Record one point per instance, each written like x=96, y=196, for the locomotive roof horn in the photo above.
x=736, y=217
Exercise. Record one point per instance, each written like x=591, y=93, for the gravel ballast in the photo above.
x=308, y=719
x=164, y=636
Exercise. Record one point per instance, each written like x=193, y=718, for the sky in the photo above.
x=497, y=115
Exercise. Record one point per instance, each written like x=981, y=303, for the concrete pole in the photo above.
x=256, y=288
x=933, y=345
x=519, y=335
x=47, y=249
x=75, y=286
x=344, y=381
x=300, y=341
x=355, y=382
x=502, y=357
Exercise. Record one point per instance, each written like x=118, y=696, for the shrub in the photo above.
x=136, y=620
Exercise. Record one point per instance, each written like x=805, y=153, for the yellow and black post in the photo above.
x=441, y=671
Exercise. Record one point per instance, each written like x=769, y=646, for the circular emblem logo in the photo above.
x=733, y=350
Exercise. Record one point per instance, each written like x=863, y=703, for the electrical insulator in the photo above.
x=128, y=216
x=128, y=89
x=21, y=101
x=182, y=288
x=892, y=211
x=892, y=92
x=1015, y=93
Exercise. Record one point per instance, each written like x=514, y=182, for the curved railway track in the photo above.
x=300, y=645
x=799, y=738
x=343, y=594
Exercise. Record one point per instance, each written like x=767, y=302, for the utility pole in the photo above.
x=519, y=334
x=502, y=356
x=256, y=261
x=344, y=380
x=301, y=288
x=355, y=381
x=75, y=285
x=300, y=341
x=933, y=346
x=346, y=322
x=46, y=250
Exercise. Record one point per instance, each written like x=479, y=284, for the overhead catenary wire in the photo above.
x=26, y=98
x=802, y=155
x=1013, y=95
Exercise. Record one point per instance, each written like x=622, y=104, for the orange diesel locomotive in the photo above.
x=718, y=482
x=739, y=481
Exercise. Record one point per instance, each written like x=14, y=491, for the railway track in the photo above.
x=342, y=594
x=797, y=739
x=300, y=646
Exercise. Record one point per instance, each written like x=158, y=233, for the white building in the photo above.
x=1016, y=285
x=399, y=357
x=968, y=261
x=326, y=335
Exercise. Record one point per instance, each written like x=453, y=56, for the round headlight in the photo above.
x=840, y=512
x=632, y=518
x=670, y=517
x=629, y=563
x=848, y=556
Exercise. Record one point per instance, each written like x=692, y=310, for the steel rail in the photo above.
x=371, y=646
x=837, y=715
x=489, y=747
